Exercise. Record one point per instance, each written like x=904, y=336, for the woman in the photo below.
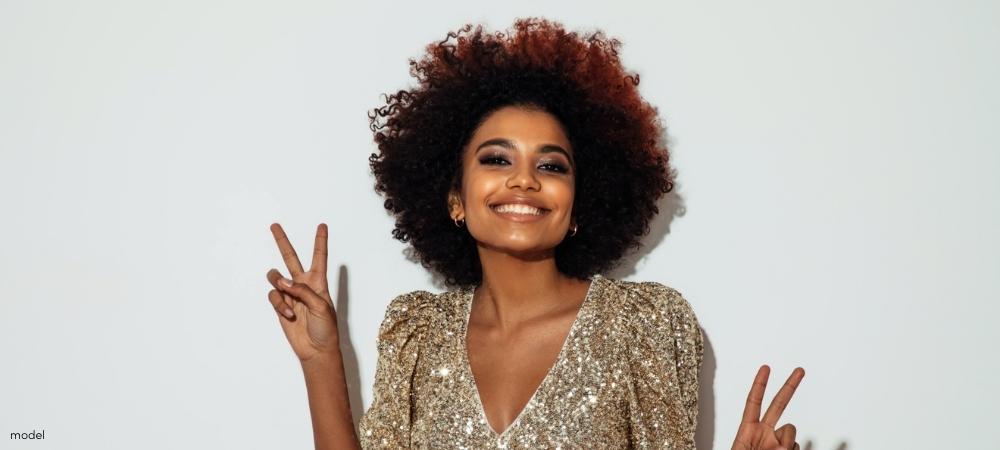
x=521, y=167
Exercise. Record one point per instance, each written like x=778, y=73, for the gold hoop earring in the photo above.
x=457, y=224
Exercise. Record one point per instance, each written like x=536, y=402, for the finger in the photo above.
x=287, y=252
x=278, y=302
x=319, y=250
x=751, y=412
x=783, y=397
x=786, y=435
x=274, y=277
x=308, y=296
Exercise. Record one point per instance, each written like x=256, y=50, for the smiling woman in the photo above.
x=586, y=102
x=522, y=166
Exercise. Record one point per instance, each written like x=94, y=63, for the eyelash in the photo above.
x=491, y=160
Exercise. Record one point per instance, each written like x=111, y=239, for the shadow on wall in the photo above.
x=705, y=433
x=809, y=446
x=670, y=206
x=352, y=372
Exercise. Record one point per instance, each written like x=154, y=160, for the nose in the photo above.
x=524, y=178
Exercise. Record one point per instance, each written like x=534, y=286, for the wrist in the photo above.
x=324, y=361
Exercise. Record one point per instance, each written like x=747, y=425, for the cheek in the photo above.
x=562, y=193
x=480, y=184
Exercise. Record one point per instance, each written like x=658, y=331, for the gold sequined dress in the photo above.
x=625, y=377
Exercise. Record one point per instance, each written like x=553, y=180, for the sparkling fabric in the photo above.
x=626, y=376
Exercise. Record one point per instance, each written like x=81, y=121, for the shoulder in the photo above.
x=413, y=311
x=651, y=308
x=411, y=303
x=632, y=297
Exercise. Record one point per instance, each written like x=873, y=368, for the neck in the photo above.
x=516, y=288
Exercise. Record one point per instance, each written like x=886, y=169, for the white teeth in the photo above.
x=518, y=209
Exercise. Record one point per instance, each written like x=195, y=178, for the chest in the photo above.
x=509, y=369
x=539, y=391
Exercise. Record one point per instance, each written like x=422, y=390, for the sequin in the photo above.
x=626, y=377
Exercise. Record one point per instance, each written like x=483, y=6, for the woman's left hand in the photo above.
x=760, y=434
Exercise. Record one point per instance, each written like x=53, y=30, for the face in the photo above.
x=517, y=182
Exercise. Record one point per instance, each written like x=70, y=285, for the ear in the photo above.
x=455, y=208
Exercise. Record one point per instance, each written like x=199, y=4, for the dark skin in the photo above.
x=516, y=201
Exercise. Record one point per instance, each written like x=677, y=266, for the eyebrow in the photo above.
x=506, y=143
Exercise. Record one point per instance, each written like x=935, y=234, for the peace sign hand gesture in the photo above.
x=305, y=309
x=757, y=434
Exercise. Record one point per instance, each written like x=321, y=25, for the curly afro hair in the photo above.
x=622, y=162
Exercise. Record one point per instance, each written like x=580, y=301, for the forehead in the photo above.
x=523, y=125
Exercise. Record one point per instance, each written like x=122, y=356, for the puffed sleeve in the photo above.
x=664, y=359
x=386, y=423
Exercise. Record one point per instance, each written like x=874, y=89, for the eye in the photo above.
x=493, y=160
x=554, y=167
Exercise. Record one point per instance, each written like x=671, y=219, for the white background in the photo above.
x=836, y=207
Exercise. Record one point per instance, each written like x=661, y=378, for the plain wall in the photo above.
x=836, y=207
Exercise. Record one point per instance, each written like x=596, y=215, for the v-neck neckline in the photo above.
x=580, y=315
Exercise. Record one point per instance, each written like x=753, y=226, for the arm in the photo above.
x=388, y=420
x=305, y=311
x=665, y=360
x=329, y=404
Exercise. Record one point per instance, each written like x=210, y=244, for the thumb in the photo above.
x=306, y=294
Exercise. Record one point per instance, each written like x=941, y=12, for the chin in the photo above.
x=525, y=247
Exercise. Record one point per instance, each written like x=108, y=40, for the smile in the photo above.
x=518, y=211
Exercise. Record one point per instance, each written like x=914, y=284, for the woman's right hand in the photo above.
x=305, y=309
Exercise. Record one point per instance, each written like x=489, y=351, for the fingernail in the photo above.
x=286, y=282
x=288, y=313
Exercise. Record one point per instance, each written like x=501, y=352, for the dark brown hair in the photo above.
x=622, y=162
